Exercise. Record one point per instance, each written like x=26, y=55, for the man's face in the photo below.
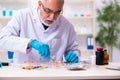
x=50, y=10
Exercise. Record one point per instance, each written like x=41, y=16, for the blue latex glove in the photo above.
x=71, y=57
x=42, y=48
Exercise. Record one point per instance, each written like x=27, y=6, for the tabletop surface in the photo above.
x=93, y=72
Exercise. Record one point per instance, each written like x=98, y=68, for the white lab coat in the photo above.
x=26, y=25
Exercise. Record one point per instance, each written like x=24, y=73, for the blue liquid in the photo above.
x=10, y=13
x=10, y=55
x=4, y=13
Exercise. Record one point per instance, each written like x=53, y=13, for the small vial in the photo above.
x=10, y=13
x=4, y=12
x=10, y=56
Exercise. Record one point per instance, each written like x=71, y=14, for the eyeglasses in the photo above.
x=49, y=11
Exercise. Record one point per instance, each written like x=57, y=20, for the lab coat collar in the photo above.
x=36, y=18
x=35, y=15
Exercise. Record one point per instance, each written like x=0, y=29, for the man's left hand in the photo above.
x=72, y=57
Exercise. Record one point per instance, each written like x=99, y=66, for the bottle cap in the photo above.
x=105, y=50
x=100, y=49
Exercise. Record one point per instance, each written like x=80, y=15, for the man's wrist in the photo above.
x=29, y=44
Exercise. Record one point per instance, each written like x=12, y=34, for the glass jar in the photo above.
x=106, y=57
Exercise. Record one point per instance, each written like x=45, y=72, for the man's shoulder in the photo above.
x=23, y=14
x=64, y=20
x=65, y=24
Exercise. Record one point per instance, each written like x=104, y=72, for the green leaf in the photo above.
x=108, y=22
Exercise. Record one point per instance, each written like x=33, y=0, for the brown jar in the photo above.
x=106, y=57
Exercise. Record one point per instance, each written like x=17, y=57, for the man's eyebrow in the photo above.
x=53, y=10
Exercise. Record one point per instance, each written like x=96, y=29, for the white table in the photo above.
x=94, y=72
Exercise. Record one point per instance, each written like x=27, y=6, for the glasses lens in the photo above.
x=49, y=11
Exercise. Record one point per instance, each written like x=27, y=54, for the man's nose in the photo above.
x=52, y=16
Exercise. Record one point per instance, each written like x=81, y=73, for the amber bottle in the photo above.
x=106, y=57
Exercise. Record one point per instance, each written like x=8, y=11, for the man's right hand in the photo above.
x=42, y=48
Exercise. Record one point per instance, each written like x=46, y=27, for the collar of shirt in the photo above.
x=45, y=26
